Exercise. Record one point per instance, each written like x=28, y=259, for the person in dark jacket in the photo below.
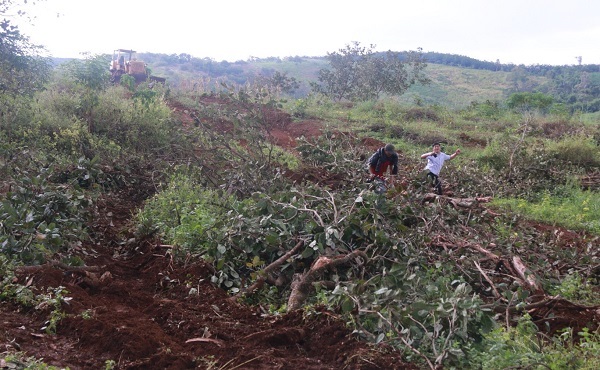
x=383, y=159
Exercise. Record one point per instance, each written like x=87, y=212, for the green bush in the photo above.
x=39, y=218
x=578, y=150
x=184, y=214
x=140, y=124
x=497, y=153
x=9, y=289
x=504, y=348
x=66, y=110
x=525, y=101
x=574, y=288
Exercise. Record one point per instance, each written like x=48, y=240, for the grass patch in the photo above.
x=568, y=206
x=522, y=345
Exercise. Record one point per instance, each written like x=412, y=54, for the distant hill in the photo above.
x=456, y=80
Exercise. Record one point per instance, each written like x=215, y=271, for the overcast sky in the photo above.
x=512, y=31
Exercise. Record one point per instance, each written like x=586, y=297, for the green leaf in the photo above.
x=381, y=291
x=347, y=305
x=307, y=252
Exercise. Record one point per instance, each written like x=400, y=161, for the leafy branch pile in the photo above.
x=432, y=278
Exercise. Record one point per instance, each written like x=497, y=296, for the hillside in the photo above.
x=457, y=87
x=450, y=86
x=456, y=80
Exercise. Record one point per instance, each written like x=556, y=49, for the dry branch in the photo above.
x=302, y=283
x=515, y=266
x=457, y=202
x=56, y=264
x=206, y=340
x=262, y=276
x=480, y=249
x=496, y=294
x=546, y=302
x=526, y=275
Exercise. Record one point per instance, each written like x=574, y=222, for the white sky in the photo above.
x=512, y=31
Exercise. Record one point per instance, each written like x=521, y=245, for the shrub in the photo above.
x=559, y=129
x=525, y=101
x=139, y=124
x=39, y=218
x=9, y=289
x=573, y=287
x=497, y=153
x=503, y=348
x=579, y=150
x=422, y=114
x=184, y=215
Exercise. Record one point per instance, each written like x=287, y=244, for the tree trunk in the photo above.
x=302, y=284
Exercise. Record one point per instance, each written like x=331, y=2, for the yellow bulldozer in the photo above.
x=124, y=62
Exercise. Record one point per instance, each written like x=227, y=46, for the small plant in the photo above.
x=110, y=364
x=9, y=289
x=184, y=214
x=573, y=287
x=128, y=82
x=87, y=314
x=54, y=299
x=207, y=362
x=19, y=360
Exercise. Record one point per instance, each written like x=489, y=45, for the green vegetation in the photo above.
x=357, y=74
x=185, y=214
x=19, y=360
x=521, y=345
x=436, y=279
x=567, y=206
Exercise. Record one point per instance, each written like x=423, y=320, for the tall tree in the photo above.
x=358, y=73
x=22, y=69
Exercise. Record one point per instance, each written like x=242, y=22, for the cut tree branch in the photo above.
x=302, y=283
x=262, y=275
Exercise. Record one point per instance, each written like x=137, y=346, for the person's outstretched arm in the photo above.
x=457, y=152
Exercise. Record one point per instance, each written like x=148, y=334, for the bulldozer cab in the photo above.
x=125, y=61
x=119, y=57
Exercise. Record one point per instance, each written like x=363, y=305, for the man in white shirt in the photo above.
x=435, y=162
